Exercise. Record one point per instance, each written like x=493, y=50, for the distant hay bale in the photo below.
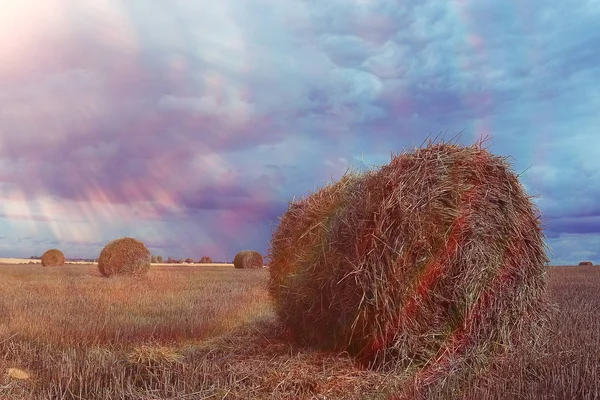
x=205, y=260
x=586, y=264
x=248, y=259
x=53, y=258
x=436, y=257
x=124, y=256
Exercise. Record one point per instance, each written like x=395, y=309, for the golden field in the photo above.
x=209, y=332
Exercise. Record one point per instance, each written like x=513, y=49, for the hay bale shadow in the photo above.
x=264, y=361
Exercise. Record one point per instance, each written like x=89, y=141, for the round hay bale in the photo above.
x=435, y=256
x=205, y=260
x=248, y=259
x=53, y=258
x=586, y=264
x=124, y=256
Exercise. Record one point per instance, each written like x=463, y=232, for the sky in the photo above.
x=190, y=125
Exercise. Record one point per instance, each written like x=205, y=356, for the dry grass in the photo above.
x=77, y=306
x=208, y=333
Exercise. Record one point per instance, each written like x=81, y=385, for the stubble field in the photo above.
x=208, y=332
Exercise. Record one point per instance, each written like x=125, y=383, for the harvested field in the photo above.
x=209, y=332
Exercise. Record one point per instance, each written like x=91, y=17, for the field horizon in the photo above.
x=21, y=261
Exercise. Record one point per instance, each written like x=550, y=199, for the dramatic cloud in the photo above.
x=190, y=125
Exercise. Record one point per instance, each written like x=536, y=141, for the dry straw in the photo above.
x=53, y=258
x=17, y=373
x=153, y=355
x=248, y=259
x=124, y=256
x=437, y=257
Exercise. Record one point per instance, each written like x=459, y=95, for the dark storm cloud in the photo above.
x=584, y=224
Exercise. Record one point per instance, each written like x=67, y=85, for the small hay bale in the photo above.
x=436, y=257
x=205, y=260
x=124, y=256
x=248, y=259
x=586, y=264
x=53, y=258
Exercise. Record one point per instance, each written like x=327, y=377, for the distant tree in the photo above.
x=189, y=260
x=205, y=260
x=180, y=261
x=170, y=260
x=159, y=259
x=153, y=259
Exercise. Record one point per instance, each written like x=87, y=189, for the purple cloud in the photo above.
x=178, y=121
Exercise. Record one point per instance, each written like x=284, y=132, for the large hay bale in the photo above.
x=53, y=258
x=124, y=256
x=435, y=256
x=586, y=264
x=248, y=259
